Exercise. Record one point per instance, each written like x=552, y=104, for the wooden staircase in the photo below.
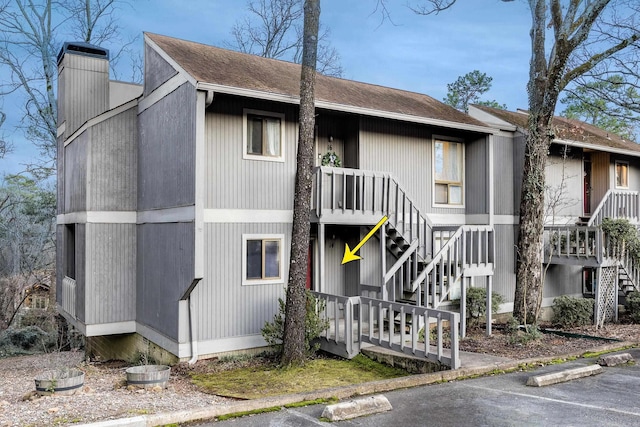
x=586, y=244
x=417, y=277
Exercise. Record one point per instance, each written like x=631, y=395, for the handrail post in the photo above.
x=319, y=192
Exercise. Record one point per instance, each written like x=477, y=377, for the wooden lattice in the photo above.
x=607, y=294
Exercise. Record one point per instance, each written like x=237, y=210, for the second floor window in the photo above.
x=263, y=135
x=622, y=175
x=448, y=173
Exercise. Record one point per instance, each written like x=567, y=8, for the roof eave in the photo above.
x=597, y=147
x=271, y=96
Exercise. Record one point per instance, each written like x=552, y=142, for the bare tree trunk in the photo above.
x=294, y=350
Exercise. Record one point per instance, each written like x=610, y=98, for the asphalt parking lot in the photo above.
x=611, y=398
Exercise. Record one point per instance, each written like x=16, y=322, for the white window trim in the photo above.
x=249, y=156
x=249, y=282
x=433, y=172
x=615, y=173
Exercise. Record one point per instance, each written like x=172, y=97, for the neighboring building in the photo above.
x=591, y=174
x=175, y=200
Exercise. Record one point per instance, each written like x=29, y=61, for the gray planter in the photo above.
x=148, y=376
x=62, y=381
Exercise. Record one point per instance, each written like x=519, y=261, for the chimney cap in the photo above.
x=84, y=49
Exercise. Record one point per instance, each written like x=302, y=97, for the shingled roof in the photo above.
x=567, y=129
x=233, y=70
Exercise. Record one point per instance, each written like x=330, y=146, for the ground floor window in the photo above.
x=588, y=281
x=262, y=259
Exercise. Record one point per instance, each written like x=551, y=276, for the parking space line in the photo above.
x=583, y=405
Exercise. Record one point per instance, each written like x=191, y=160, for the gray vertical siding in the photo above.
x=518, y=169
x=504, y=180
x=405, y=150
x=113, y=163
x=165, y=269
x=476, y=177
x=634, y=174
x=111, y=273
x=564, y=181
x=340, y=279
x=402, y=149
x=563, y=280
x=166, y=151
x=60, y=175
x=75, y=170
x=156, y=70
x=224, y=307
x=237, y=183
x=85, y=86
x=504, y=278
x=370, y=265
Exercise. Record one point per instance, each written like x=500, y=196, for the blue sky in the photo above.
x=417, y=53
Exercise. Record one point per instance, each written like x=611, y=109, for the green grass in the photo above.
x=269, y=380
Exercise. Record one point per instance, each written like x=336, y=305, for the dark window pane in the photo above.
x=254, y=259
x=254, y=135
x=272, y=258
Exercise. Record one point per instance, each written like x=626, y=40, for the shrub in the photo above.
x=512, y=326
x=477, y=304
x=570, y=311
x=315, y=324
x=633, y=306
x=27, y=340
x=622, y=234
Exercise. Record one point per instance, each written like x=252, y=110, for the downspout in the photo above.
x=192, y=320
x=193, y=332
x=209, y=98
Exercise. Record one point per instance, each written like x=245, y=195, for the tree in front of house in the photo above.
x=467, y=90
x=569, y=39
x=294, y=345
x=608, y=104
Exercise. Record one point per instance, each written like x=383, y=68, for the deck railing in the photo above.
x=342, y=337
x=617, y=204
x=353, y=320
x=363, y=193
x=69, y=296
x=573, y=241
x=470, y=247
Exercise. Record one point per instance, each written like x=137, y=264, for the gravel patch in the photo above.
x=104, y=396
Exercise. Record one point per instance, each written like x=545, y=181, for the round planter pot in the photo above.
x=61, y=381
x=148, y=376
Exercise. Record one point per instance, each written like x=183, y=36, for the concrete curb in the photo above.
x=564, y=376
x=345, y=392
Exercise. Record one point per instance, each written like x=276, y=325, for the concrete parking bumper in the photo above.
x=563, y=376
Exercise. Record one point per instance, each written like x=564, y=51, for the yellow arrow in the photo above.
x=350, y=255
